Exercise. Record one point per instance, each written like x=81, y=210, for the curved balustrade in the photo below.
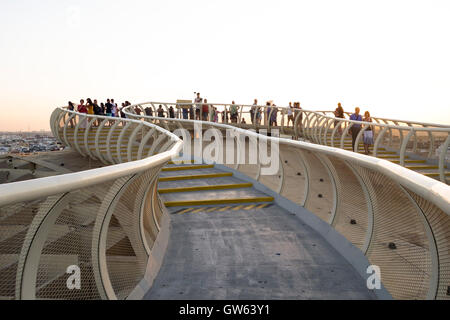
x=104, y=224
x=398, y=218
x=416, y=145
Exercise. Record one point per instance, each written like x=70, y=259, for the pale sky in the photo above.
x=390, y=57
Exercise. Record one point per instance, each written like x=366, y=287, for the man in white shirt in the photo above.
x=198, y=105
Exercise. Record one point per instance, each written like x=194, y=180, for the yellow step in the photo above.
x=194, y=167
x=216, y=201
x=197, y=176
x=209, y=187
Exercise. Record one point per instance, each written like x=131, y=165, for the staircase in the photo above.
x=192, y=188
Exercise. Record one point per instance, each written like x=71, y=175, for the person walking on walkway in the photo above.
x=356, y=127
x=368, y=133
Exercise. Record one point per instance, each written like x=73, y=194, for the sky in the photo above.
x=389, y=57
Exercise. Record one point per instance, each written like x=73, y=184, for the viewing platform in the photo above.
x=147, y=207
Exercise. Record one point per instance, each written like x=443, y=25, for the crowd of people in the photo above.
x=202, y=110
x=110, y=108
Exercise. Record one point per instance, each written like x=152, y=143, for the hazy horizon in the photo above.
x=388, y=57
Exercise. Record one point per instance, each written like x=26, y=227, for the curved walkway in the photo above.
x=252, y=250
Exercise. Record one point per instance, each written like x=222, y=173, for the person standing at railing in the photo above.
x=71, y=107
x=160, y=112
x=185, y=111
x=273, y=117
x=258, y=114
x=90, y=106
x=97, y=112
x=253, y=111
x=198, y=105
x=205, y=110
x=233, y=112
x=339, y=113
x=215, y=114
x=137, y=110
x=267, y=114
x=82, y=109
x=113, y=109
x=356, y=127
x=171, y=112
x=368, y=133
x=108, y=108
x=97, y=109
x=148, y=111
x=290, y=114
x=300, y=117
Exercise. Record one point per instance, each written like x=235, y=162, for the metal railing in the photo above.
x=397, y=217
x=418, y=140
x=89, y=234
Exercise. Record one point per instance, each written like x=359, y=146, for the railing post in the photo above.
x=442, y=159
x=403, y=147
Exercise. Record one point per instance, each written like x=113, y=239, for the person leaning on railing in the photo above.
x=356, y=127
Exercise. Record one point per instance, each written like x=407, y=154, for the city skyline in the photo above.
x=354, y=52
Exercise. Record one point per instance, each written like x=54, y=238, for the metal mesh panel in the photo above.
x=352, y=214
x=439, y=222
x=126, y=255
x=399, y=245
x=320, y=195
x=15, y=220
x=69, y=242
x=295, y=185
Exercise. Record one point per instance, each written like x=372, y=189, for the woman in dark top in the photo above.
x=71, y=107
x=160, y=111
x=368, y=133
